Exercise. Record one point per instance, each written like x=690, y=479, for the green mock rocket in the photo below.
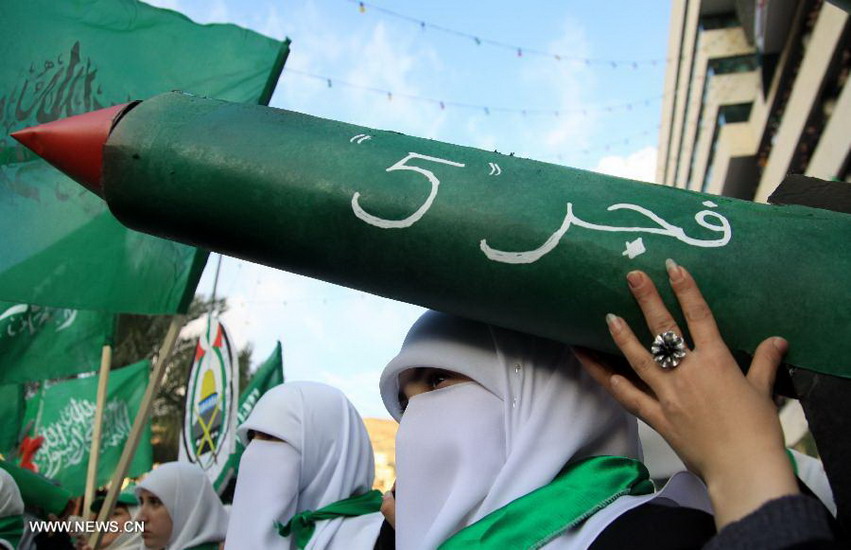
x=514, y=242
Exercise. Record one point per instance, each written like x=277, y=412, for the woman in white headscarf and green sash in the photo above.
x=195, y=520
x=506, y=442
x=11, y=512
x=305, y=478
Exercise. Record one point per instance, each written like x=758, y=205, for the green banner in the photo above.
x=64, y=415
x=269, y=375
x=11, y=413
x=69, y=57
x=38, y=343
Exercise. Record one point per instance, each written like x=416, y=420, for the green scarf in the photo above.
x=12, y=529
x=302, y=525
x=578, y=492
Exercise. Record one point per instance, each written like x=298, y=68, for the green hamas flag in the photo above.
x=269, y=375
x=12, y=412
x=70, y=57
x=37, y=343
x=64, y=415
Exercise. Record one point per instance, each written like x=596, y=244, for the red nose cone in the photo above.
x=74, y=144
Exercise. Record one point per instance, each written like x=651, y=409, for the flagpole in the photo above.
x=138, y=425
x=213, y=298
x=94, y=451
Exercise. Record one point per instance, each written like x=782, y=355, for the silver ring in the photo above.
x=668, y=349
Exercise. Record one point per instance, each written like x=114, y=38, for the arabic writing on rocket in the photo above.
x=708, y=219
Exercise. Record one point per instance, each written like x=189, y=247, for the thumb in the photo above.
x=766, y=359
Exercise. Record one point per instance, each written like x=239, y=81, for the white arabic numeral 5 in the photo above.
x=413, y=218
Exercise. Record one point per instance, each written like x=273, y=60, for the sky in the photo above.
x=573, y=83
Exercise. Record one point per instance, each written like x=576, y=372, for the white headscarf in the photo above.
x=11, y=503
x=197, y=514
x=127, y=541
x=325, y=456
x=469, y=449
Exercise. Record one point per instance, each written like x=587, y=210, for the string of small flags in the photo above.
x=519, y=51
x=705, y=43
x=487, y=110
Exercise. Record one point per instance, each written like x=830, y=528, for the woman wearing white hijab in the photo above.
x=125, y=510
x=180, y=509
x=307, y=468
x=11, y=512
x=501, y=416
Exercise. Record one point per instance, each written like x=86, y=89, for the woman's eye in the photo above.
x=437, y=378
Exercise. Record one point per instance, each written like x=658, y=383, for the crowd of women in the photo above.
x=509, y=441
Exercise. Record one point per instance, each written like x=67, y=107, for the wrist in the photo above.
x=741, y=488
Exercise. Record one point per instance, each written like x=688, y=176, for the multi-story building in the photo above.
x=755, y=90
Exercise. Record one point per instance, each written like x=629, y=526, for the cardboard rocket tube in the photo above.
x=514, y=242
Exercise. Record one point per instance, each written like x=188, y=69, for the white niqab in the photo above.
x=530, y=410
x=469, y=449
x=266, y=492
x=197, y=514
x=325, y=457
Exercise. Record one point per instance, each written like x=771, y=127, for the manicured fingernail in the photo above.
x=634, y=279
x=615, y=323
x=675, y=272
x=780, y=343
x=387, y=495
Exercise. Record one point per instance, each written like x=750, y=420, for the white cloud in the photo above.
x=388, y=47
x=273, y=23
x=215, y=11
x=387, y=59
x=565, y=86
x=219, y=13
x=169, y=4
x=640, y=165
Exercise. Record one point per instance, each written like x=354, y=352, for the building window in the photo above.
x=727, y=114
x=726, y=20
x=740, y=112
x=734, y=64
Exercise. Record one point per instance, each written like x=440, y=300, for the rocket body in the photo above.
x=514, y=242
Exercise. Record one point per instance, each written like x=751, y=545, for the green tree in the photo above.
x=139, y=337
